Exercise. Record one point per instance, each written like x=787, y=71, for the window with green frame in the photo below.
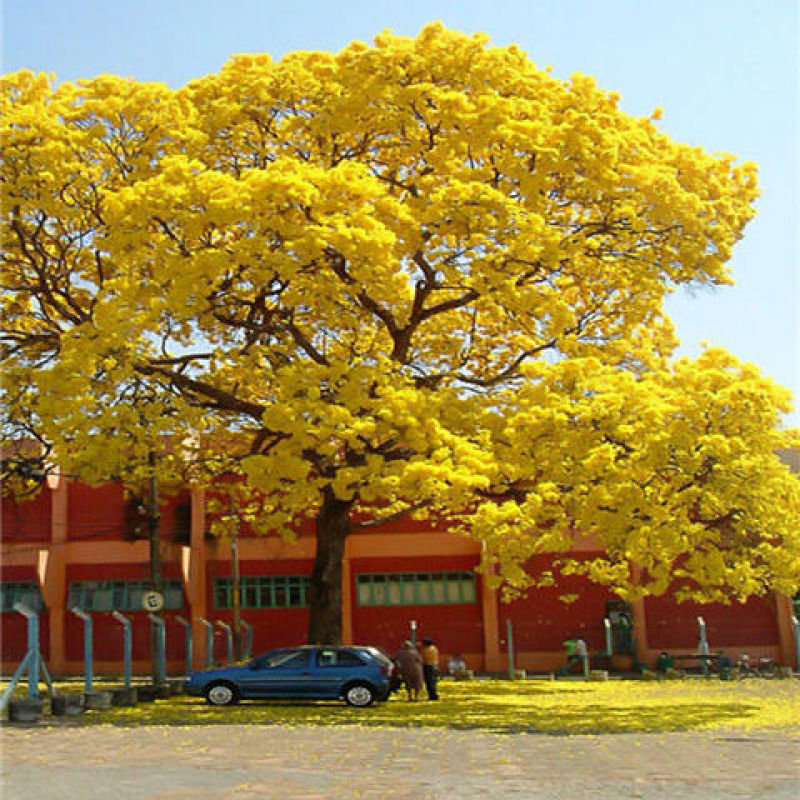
x=263, y=591
x=416, y=588
x=120, y=595
x=13, y=592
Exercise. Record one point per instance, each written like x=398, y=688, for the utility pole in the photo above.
x=236, y=580
x=156, y=578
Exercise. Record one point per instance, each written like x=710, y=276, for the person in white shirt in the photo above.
x=582, y=652
x=577, y=652
x=456, y=665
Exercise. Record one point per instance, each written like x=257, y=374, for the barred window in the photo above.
x=12, y=592
x=416, y=588
x=120, y=595
x=263, y=591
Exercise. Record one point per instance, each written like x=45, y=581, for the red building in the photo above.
x=76, y=545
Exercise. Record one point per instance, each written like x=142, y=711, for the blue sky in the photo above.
x=725, y=72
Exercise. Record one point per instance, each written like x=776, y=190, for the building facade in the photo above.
x=79, y=546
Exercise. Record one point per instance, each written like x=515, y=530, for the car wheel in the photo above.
x=221, y=694
x=359, y=695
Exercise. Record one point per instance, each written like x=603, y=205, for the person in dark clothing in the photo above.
x=410, y=663
x=430, y=668
x=664, y=662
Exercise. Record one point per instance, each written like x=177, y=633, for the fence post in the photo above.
x=88, y=667
x=702, y=643
x=796, y=624
x=189, y=649
x=209, y=642
x=413, y=625
x=160, y=672
x=248, y=639
x=510, y=642
x=228, y=640
x=609, y=640
x=127, y=646
x=33, y=656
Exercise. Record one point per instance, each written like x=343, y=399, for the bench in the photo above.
x=707, y=661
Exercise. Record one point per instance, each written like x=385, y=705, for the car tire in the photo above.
x=359, y=695
x=221, y=693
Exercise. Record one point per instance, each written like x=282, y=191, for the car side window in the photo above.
x=326, y=658
x=288, y=658
x=338, y=658
x=350, y=659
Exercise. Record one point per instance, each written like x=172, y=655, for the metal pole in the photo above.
x=609, y=641
x=237, y=583
x=209, y=642
x=702, y=644
x=510, y=641
x=228, y=639
x=127, y=645
x=159, y=667
x=88, y=667
x=32, y=657
x=796, y=624
x=413, y=626
x=153, y=516
x=48, y=678
x=6, y=696
x=189, y=650
x=33, y=664
x=248, y=639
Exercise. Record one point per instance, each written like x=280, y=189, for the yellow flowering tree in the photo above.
x=350, y=278
x=675, y=473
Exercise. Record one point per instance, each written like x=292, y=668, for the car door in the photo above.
x=284, y=673
x=333, y=667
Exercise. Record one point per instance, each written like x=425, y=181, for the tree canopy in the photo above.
x=423, y=276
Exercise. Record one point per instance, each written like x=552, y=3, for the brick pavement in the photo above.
x=304, y=763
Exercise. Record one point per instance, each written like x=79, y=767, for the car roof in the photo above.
x=327, y=646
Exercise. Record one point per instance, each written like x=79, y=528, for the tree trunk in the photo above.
x=325, y=591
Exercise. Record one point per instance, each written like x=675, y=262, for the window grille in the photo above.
x=263, y=591
x=12, y=592
x=416, y=588
x=120, y=595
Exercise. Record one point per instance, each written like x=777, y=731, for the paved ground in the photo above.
x=265, y=762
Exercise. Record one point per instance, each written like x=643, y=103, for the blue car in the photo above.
x=357, y=674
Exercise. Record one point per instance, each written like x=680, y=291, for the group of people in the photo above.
x=722, y=662
x=418, y=667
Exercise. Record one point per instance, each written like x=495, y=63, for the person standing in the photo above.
x=430, y=667
x=582, y=652
x=410, y=663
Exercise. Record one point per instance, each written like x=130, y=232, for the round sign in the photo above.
x=152, y=601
